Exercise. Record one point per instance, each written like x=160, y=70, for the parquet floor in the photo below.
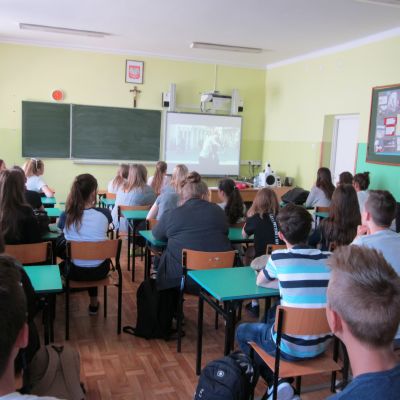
x=125, y=367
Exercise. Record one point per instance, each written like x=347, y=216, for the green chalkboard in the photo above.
x=45, y=129
x=112, y=133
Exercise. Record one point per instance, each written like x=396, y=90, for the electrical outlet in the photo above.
x=256, y=163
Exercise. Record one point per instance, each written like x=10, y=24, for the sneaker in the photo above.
x=285, y=391
x=93, y=310
x=253, y=310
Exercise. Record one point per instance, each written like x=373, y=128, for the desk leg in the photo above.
x=133, y=250
x=129, y=246
x=52, y=312
x=147, y=261
x=199, y=334
x=46, y=320
x=230, y=327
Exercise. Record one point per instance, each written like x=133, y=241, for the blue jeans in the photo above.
x=262, y=335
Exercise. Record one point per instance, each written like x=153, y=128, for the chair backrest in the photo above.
x=151, y=223
x=322, y=209
x=132, y=208
x=32, y=253
x=94, y=250
x=193, y=259
x=273, y=247
x=302, y=321
x=110, y=195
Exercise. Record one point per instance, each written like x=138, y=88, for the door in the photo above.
x=344, y=145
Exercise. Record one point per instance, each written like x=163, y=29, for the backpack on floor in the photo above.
x=155, y=310
x=295, y=196
x=228, y=378
x=55, y=371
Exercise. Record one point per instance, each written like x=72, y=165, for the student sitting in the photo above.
x=160, y=180
x=302, y=275
x=361, y=184
x=14, y=330
x=17, y=221
x=115, y=184
x=33, y=169
x=340, y=227
x=33, y=198
x=169, y=198
x=379, y=211
x=197, y=225
x=82, y=222
x=321, y=193
x=364, y=312
x=345, y=178
x=232, y=202
x=134, y=192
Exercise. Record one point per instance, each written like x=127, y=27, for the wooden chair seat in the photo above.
x=287, y=369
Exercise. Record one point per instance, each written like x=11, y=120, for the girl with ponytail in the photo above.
x=232, y=202
x=82, y=222
x=160, y=179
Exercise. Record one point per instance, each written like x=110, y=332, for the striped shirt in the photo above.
x=303, y=278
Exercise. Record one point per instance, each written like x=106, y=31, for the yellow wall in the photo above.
x=301, y=95
x=31, y=73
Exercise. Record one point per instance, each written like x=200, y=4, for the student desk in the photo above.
x=53, y=212
x=48, y=201
x=234, y=235
x=107, y=202
x=230, y=286
x=46, y=281
x=133, y=217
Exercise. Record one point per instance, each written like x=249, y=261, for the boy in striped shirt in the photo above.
x=302, y=275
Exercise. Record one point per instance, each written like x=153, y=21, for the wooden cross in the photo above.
x=135, y=91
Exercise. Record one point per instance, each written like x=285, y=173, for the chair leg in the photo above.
x=253, y=387
x=119, y=306
x=179, y=321
x=298, y=385
x=105, y=301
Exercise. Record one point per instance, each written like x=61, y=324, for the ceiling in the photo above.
x=285, y=29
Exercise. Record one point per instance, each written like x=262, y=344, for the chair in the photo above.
x=273, y=247
x=111, y=196
x=298, y=321
x=150, y=250
x=125, y=234
x=33, y=253
x=108, y=249
x=318, y=218
x=197, y=260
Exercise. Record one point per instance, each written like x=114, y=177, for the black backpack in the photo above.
x=230, y=378
x=155, y=310
x=295, y=196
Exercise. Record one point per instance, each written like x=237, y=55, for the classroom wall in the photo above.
x=301, y=99
x=32, y=73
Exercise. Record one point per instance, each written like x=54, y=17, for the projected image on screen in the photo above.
x=209, y=144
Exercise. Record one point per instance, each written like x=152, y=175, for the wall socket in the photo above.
x=256, y=163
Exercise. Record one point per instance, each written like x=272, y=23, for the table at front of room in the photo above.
x=133, y=217
x=46, y=281
x=234, y=235
x=229, y=286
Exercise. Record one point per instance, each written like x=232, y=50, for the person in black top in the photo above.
x=261, y=221
x=33, y=198
x=17, y=221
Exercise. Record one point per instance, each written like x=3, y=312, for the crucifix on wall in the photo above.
x=135, y=91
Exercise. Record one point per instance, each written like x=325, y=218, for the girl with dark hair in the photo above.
x=34, y=169
x=17, y=221
x=82, y=222
x=232, y=202
x=119, y=180
x=321, y=193
x=345, y=178
x=361, y=185
x=160, y=179
x=2, y=165
x=340, y=228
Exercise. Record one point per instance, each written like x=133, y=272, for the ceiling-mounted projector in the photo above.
x=215, y=101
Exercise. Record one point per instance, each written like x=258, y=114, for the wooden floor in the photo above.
x=123, y=367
